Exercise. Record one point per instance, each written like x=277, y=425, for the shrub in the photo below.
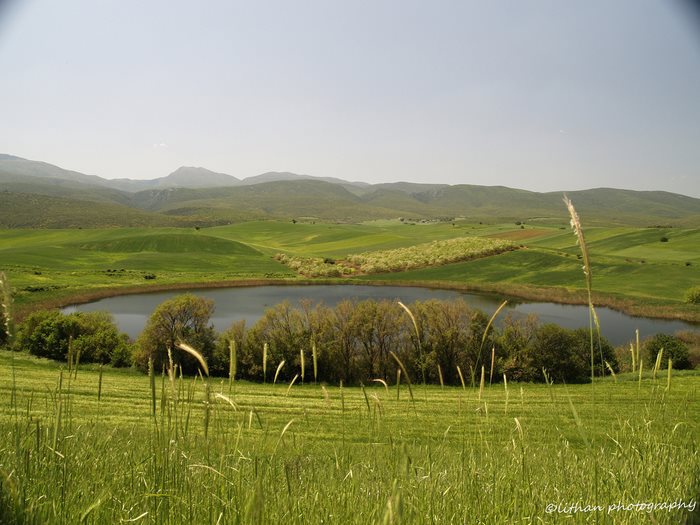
x=673, y=347
x=564, y=354
x=91, y=334
x=663, y=239
x=692, y=296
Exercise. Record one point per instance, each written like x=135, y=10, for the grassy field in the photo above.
x=89, y=449
x=630, y=265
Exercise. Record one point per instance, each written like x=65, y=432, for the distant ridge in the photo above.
x=201, y=196
x=183, y=177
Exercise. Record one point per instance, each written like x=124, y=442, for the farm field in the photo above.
x=87, y=448
x=631, y=266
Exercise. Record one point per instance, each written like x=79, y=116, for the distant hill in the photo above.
x=281, y=199
x=200, y=196
x=183, y=177
x=280, y=176
x=17, y=166
x=22, y=210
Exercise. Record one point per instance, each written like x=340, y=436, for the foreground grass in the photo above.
x=312, y=454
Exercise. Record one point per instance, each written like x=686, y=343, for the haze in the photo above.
x=542, y=95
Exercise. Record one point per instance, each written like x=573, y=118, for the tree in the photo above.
x=91, y=335
x=673, y=347
x=99, y=341
x=183, y=318
x=445, y=326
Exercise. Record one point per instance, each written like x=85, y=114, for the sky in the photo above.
x=534, y=94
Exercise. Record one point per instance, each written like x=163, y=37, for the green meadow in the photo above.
x=632, y=267
x=110, y=446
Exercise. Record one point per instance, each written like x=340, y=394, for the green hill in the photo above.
x=22, y=210
x=171, y=243
x=197, y=200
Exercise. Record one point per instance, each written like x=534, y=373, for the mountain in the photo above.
x=200, y=196
x=17, y=166
x=285, y=176
x=183, y=177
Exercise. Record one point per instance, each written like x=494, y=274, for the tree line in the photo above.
x=437, y=341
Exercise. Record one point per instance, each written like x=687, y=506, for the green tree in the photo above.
x=673, y=347
x=92, y=335
x=183, y=318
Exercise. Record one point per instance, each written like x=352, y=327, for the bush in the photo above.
x=564, y=354
x=692, y=296
x=673, y=347
x=91, y=335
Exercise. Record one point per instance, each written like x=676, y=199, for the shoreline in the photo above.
x=519, y=293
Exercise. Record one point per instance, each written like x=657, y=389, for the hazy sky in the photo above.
x=542, y=95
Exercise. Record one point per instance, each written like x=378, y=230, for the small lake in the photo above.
x=232, y=304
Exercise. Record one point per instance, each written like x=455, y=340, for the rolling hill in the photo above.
x=203, y=197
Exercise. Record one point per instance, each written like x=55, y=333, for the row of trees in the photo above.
x=352, y=342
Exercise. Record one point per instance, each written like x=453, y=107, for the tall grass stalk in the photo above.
x=152, y=381
x=277, y=372
x=461, y=378
x=194, y=353
x=481, y=383
x=314, y=356
x=442, y=382
x=418, y=341
x=364, y=393
x=381, y=381
x=207, y=407
x=289, y=388
x=75, y=365
x=634, y=361
x=486, y=330
x=612, y=372
x=668, y=376
x=657, y=365
x=264, y=361
x=398, y=383
x=7, y=327
x=505, y=386
x=303, y=364
x=232, y=362
x=408, y=378
x=99, y=383
x=493, y=360
x=578, y=231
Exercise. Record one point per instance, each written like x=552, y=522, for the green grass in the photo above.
x=630, y=264
x=338, y=456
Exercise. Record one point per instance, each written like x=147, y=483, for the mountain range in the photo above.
x=38, y=194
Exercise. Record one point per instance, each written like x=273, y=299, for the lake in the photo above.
x=232, y=304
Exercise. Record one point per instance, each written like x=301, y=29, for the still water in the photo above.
x=232, y=304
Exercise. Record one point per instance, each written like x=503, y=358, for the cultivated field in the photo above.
x=89, y=449
x=632, y=267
